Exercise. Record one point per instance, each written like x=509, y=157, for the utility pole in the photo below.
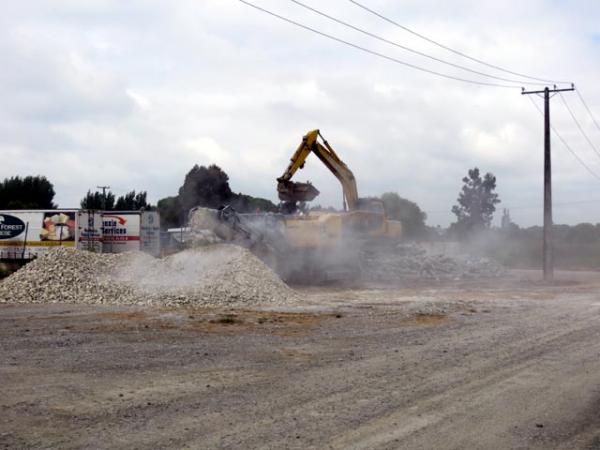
x=104, y=188
x=548, y=245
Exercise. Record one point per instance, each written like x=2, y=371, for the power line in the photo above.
x=579, y=125
x=588, y=109
x=372, y=52
x=408, y=49
x=567, y=146
x=381, y=16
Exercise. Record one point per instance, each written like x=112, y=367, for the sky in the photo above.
x=133, y=94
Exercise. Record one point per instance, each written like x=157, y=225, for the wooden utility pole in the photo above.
x=548, y=245
x=104, y=188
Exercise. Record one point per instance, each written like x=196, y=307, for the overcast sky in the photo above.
x=132, y=94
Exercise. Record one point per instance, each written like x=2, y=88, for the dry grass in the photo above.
x=196, y=320
x=426, y=319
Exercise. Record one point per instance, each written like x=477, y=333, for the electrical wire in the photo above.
x=381, y=16
x=408, y=49
x=579, y=125
x=587, y=108
x=374, y=53
x=432, y=72
x=567, y=146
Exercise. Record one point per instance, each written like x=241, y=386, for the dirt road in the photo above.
x=509, y=367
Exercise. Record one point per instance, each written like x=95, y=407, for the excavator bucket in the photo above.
x=290, y=191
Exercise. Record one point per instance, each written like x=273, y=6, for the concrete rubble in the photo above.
x=411, y=261
x=218, y=275
x=207, y=275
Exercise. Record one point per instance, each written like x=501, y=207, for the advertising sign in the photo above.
x=27, y=233
x=150, y=233
x=120, y=231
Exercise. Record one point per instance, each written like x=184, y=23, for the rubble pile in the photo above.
x=64, y=275
x=412, y=261
x=218, y=275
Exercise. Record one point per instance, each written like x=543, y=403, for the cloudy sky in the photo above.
x=132, y=94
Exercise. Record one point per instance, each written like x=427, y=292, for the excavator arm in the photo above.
x=297, y=192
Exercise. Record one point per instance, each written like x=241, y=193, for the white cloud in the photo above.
x=133, y=94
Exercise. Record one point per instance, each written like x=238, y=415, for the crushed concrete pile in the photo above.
x=218, y=275
x=412, y=261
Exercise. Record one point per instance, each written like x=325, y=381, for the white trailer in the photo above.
x=124, y=231
x=26, y=234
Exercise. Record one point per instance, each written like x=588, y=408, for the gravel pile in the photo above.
x=411, y=261
x=217, y=275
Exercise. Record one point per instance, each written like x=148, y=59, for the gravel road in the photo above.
x=508, y=366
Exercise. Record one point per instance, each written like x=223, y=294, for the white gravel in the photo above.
x=216, y=275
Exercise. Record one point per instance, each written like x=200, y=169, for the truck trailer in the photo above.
x=27, y=234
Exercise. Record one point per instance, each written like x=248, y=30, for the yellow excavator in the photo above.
x=290, y=191
x=311, y=246
x=362, y=218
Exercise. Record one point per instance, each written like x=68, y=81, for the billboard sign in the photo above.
x=28, y=233
x=120, y=231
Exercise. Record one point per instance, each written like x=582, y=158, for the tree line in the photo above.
x=132, y=201
x=37, y=192
x=208, y=186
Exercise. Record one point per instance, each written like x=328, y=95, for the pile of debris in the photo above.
x=412, y=261
x=217, y=275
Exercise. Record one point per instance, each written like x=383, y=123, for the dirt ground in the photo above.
x=511, y=365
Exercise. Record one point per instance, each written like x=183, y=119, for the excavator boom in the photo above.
x=299, y=192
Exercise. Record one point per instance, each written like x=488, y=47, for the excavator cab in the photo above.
x=370, y=204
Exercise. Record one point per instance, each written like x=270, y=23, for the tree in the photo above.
x=247, y=203
x=407, y=212
x=95, y=200
x=132, y=201
x=476, y=203
x=171, y=213
x=205, y=186
x=31, y=192
x=583, y=233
